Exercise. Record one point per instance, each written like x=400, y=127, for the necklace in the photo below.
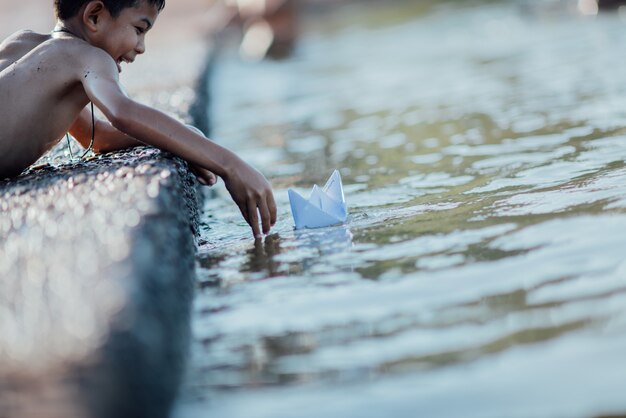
x=93, y=134
x=66, y=31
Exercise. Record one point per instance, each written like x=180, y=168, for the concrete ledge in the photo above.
x=97, y=268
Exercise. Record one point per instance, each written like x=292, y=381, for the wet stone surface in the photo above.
x=96, y=261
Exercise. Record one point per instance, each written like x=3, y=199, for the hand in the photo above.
x=253, y=195
x=203, y=175
x=249, y=189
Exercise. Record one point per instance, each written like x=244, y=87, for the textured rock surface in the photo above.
x=96, y=261
x=97, y=269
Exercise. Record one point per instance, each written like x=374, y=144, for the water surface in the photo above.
x=482, y=270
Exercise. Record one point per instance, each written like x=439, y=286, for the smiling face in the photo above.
x=123, y=36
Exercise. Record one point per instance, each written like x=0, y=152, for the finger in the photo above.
x=209, y=178
x=253, y=218
x=271, y=204
x=265, y=216
x=244, y=212
x=197, y=174
x=212, y=178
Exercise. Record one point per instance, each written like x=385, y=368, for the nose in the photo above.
x=140, y=48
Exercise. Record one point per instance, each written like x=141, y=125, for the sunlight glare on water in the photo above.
x=482, y=270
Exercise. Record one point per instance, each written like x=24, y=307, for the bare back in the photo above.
x=40, y=96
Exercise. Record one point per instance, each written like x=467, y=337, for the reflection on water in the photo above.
x=481, y=272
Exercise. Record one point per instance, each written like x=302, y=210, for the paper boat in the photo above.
x=325, y=207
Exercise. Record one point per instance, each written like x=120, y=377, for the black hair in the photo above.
x=66, y=9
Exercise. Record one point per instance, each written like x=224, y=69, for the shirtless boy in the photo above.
x=47, y=81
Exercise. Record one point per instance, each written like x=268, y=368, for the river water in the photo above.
x=482, y=271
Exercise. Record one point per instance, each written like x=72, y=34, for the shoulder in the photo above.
x=95, y=57
x=24, y=36
x=83, y=56
x=18, y=45
x=93, y=54
x=28, y=34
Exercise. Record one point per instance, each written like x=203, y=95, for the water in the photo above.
x=482, y=271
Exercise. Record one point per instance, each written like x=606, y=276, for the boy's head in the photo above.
x=66, y=9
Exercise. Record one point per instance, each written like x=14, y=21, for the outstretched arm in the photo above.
x=107, y=138
x=249, y=189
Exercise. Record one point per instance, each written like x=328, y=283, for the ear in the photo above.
x=93, y=14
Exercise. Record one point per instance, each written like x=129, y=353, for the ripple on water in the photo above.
x=485, y=238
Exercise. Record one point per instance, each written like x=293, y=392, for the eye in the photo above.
x=139, y=30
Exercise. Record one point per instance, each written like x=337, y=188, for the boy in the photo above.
x=47, y=81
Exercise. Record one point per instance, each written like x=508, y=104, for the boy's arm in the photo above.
x=249, y=189
x=106, y=137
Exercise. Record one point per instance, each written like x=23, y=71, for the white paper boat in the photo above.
x=325, y=207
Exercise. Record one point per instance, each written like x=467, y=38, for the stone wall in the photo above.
x=97, y=268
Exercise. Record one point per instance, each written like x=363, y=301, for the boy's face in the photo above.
x=123, y=37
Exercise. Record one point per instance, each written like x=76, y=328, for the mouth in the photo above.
x=121, y=60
